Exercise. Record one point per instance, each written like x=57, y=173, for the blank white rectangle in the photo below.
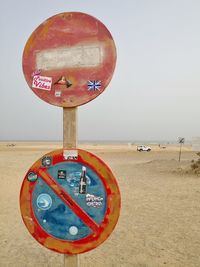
x=69, y=57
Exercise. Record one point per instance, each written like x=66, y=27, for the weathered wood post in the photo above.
x=70, y=134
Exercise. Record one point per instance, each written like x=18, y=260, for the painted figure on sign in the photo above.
x=83, y=182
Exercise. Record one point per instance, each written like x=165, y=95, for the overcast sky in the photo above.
x=154, y=93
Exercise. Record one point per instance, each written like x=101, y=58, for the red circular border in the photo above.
x=69, y=30
x=110, y=218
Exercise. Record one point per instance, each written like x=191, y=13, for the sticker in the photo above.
x=94, y=85
x=63, y=81
x=35, y=73
x=73, y=230
x=46, y=161
x=32, y=177
x=70, y=154
x=83, y=182
x=44, y=201
x=73, y=181
x=57, y=93
x=94, y=201
x=61, y=174
x=42, y=82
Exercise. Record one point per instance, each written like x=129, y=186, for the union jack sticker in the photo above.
x=94, y=85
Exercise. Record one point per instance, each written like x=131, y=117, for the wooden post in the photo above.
x=70, y=141
x=179, y=158
x=69, y=128
x=71, y=261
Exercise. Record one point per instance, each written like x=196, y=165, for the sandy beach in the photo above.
x=159, y=223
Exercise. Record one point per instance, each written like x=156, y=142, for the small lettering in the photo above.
x=41, y=82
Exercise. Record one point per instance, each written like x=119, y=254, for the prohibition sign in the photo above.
x=70, y=201
x=69, y=59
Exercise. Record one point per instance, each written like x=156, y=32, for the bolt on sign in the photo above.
x=69, y=59
x=70, y=201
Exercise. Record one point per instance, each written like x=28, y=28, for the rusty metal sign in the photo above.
x=70, y=201
x=69, y=59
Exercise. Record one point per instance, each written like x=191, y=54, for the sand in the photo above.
x=160, y=215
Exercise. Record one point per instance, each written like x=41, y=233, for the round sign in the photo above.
x=69, y=59
x=72, y=205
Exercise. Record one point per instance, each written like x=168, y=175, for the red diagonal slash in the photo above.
x=46, y=177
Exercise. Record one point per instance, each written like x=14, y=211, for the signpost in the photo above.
x=70, y=141
x=69, y=200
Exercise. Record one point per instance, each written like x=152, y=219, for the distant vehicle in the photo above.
x=143, y=148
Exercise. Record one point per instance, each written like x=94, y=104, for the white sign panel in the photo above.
x=70, y=57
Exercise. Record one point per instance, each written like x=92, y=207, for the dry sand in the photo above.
x=160, y=216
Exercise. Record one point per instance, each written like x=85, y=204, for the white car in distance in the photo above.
x=143, y=148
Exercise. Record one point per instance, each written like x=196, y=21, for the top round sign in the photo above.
x=69, y=59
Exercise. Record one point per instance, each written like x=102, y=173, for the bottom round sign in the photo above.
x=70, y=201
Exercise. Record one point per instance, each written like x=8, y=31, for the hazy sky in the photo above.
x=155, y=90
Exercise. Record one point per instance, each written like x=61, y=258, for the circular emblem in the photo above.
x=44, y=202
x=46, y=161
x=32, y=177
x=73, y=230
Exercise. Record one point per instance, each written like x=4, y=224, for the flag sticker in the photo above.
x=94, y=85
